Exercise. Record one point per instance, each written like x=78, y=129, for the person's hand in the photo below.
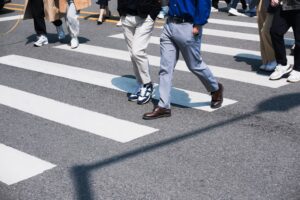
x=274, y=3
x=196, y=29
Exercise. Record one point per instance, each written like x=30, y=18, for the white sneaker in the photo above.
x=213, y=9
x=294, y=76
x=234, y=12
x=42, y=40
x=60, y=32
x=281, y=70
x=146, y=94
x=74, y=42
x=119, y=23
x=270, y=66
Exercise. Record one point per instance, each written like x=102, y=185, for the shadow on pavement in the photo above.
x=127, y=83
x=52, y=38
x=81, y=174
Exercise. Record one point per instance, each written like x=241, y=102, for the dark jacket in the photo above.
x=291, y=5
x=144, y=8
x=286, y=5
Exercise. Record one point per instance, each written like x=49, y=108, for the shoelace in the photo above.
x=144, y=90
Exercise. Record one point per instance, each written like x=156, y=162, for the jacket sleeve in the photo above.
x=202, y=12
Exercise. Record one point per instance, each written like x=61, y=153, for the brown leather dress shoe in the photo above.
x=157, y=113
x=217, y=97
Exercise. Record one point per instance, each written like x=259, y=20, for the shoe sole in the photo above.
x=160, y=116
x=236, y=14
x=219, y=106
x=143, y=102
x=40, y=45
x=291, y=81
x=132, y=100
x=74, y=47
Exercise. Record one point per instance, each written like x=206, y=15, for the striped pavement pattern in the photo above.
x=19, y=166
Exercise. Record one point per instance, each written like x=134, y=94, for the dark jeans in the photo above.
x=37, y=12
x=234, y=4
x=282, y=21
x=216, y=2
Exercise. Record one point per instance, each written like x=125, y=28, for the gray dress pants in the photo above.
x=175, y=38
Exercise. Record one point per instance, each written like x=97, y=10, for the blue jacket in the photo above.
x=197, y=11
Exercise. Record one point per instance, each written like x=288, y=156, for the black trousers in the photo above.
x=282, y=21
x=37, y=12
x=216, y=2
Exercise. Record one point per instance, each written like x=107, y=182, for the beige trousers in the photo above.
x=264, y=21
x=137, y=32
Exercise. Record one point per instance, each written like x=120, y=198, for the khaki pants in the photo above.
x=264, y=20
x=137, y=32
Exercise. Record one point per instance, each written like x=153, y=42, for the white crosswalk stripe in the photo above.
x=17, y=166
x=76, y=117
x=15, y=17
x=232, y=74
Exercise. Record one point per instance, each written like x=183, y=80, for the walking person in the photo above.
x=137, y=18
x=264, y=21
x=104, y=11
x=287, y=15
x=182, y=33
x=36, y=10
x=71, y=9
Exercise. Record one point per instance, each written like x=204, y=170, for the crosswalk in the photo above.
x=17, y=166
x=104, y=125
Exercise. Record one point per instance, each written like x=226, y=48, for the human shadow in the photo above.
x=81, y=174
x=251, y=60
x=280, y=103
x=180, y=98
x=52, y=38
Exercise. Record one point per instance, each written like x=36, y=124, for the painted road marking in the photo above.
x=16, y=166
x=76, y=117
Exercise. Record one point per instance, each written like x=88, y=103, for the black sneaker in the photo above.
x=146, y=94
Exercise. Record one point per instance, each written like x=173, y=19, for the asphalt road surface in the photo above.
x=68, y=132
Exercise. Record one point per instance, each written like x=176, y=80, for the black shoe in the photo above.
x=217, y=97
x=99, y=22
